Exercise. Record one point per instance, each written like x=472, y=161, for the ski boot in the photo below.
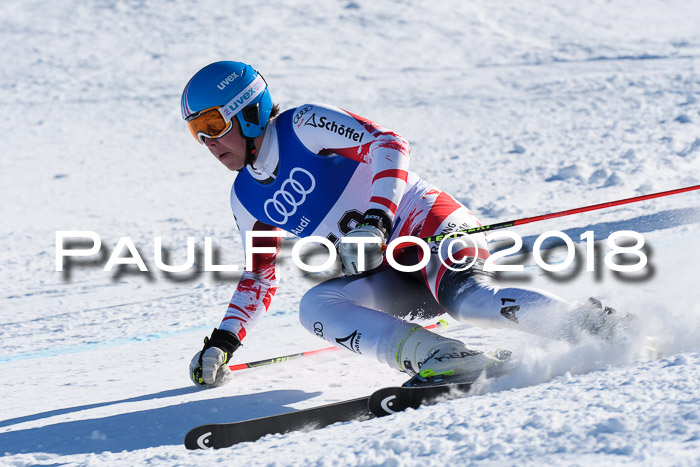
x=606, y=322
x=433, y=359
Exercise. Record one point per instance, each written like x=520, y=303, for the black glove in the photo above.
x=376, y=224
x=379, y=219
x=208, y=367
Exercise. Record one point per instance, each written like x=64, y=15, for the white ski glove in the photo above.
x=209, y=367
x=365, y=249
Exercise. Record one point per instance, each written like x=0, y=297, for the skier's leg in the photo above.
x=474, y=295
x=358, y=312
x=361, y=314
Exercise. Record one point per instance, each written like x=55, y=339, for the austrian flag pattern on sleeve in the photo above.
x=256, y=287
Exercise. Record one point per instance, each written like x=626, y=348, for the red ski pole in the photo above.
x=568, y=212
x=285, y=358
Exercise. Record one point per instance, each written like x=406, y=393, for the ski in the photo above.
x=418, y=390
x=391, y=400
x=382, y=402
x=385, y=401
x=221, y=435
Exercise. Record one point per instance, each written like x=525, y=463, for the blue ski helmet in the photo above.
x=235, y=87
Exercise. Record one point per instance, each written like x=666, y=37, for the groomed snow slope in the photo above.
x=516, y=108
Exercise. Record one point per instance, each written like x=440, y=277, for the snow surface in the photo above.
x=517, y=108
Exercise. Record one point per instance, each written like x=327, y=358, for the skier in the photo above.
x=319, y=170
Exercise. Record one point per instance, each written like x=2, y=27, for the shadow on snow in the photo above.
x=145, y=428
x=53, y=413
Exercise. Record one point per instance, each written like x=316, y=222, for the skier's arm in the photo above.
x=256, y=287
x=249, y=302
x=325, y=129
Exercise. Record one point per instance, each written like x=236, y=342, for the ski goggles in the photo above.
x=210, y=123
x=215, y=122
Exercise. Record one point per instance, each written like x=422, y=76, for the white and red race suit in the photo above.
x=319, y=168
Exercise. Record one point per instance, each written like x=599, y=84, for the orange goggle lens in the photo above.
x=209, y=123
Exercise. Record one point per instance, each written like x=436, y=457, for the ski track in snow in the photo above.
x=516, y=109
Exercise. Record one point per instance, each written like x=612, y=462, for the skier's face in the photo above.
x=228, y=149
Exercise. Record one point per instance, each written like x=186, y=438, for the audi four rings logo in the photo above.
x=290, y=196
x=299, y=114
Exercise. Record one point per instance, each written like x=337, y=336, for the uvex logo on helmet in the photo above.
x=291, y=194
x=244, y=97
x=228, y=80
